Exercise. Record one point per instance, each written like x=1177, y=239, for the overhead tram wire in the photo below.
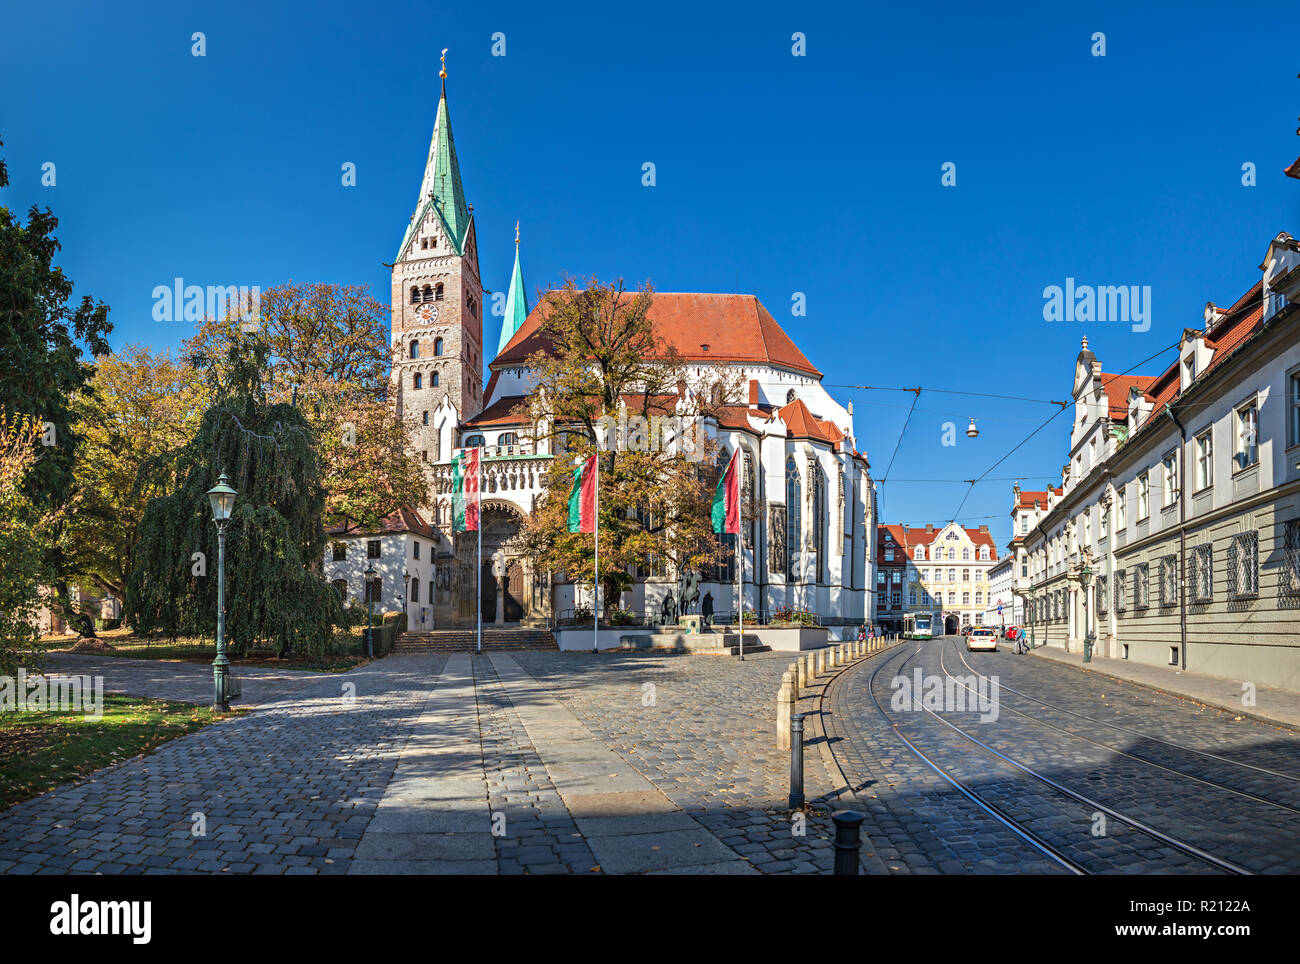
x=952, y=391
x=1127, y=371
x=885, y=478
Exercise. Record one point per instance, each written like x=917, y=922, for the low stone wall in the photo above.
x=578, y=638
x=793, y=639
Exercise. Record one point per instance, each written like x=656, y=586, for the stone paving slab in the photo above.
x=605, y=783
x=1278, y=705
x=435, y=807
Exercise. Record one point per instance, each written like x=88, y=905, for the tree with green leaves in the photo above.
x=276, y=593
x=22, y=532
x=604, y=361
x=45, y=342
x=141, y=404
x=328, y=352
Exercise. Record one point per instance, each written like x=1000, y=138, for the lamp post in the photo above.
x=1085, y=579
x=222, y=499
x=370, y=575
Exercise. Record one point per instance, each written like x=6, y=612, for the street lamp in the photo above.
x=1085, y=578
x=370, y=575
x=222, y=499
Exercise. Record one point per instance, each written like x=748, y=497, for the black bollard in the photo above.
x=796, y=761
x=848, y=840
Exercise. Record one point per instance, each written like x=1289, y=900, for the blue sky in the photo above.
x=775, y=174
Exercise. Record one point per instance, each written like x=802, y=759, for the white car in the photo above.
x=981, y=637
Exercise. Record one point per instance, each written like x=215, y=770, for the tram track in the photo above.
x=1000, y=814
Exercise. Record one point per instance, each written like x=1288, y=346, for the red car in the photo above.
x=1013, y=632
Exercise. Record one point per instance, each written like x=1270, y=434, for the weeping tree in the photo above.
x=276, y=593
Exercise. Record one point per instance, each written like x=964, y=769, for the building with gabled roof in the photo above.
x=808, y=497
x=1174, y=538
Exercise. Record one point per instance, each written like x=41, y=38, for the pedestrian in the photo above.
x=862, y=633
x=1021, y=646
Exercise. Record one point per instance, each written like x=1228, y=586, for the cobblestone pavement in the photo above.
x=176, y=680
x=702, y=730
x=287, y=788
x=1243, y=814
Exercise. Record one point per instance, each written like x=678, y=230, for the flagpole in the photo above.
x=740, y=546
x=595, y=584
x=478, y=485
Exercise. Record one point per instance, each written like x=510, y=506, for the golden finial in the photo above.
x=443, y=73
x=516, y=233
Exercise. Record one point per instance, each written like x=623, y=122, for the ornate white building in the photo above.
x=808, y=499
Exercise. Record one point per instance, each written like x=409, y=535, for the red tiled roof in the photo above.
x=507, y=410
x=909, y=537
x=734, y=327
x=802, y=423
x=404, y=519
x=1117, y=388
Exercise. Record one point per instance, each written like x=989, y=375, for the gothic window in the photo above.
x=437, y=346
x=341, y=587
x=793, y=507
x=819, y=521
x=416, y=380
x=415, y=349
x=437, y=292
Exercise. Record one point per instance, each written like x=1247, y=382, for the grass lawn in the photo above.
x=40, y=750
x=189, y=650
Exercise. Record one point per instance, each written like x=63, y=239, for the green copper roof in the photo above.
x=441, y=189
x=516, y=305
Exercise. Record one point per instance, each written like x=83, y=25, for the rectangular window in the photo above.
x=1204, y=447
x=1142, y=585
x=1144, y=496
x=952, y=575
x=1169, y=480
x=965, y=575
x=415, y=590
x=1168, y=580
x=1103, y=594
x=1243, y=565
x=1293, y=409
x=1246, y=452
x=1121, y=591
x=374, y=591
x=1202, y=560
x=1291, y=558
x=340, y=551
x=1121, y=509
x=372, y=549
x=889, y=555
x=425, y=418
x=911, y=597
x=416, y=547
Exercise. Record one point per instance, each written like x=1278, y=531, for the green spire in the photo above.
x=441, y=189
x=516, y=302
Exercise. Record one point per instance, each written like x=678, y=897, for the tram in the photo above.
x=922, y=625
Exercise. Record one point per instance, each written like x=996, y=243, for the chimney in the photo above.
x=984, y=528
x=929, y=527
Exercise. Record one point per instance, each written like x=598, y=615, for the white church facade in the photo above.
x=808, y=500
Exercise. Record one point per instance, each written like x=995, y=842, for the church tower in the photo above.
x=438, y=303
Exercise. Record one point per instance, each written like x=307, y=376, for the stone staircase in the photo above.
x=495, y=640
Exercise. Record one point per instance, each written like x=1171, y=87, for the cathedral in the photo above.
x=808, y=500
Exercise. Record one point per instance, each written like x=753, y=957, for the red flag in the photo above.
x=726, y=501
x=582, y=502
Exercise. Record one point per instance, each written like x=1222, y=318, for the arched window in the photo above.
x=428, y=293
x=508, y=438
x=984, y=552
x=437, y=292
x=433, y=380
x=965, y=555
x=473, y=307
x=793, y=525
x=437, y=346
x=473, y=442
x=415, y=294
x=790, y=396
x=416, y=380
x=819, y=521
x=415, y=349
x=920, y=552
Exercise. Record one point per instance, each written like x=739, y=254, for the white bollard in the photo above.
x=784, y=708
